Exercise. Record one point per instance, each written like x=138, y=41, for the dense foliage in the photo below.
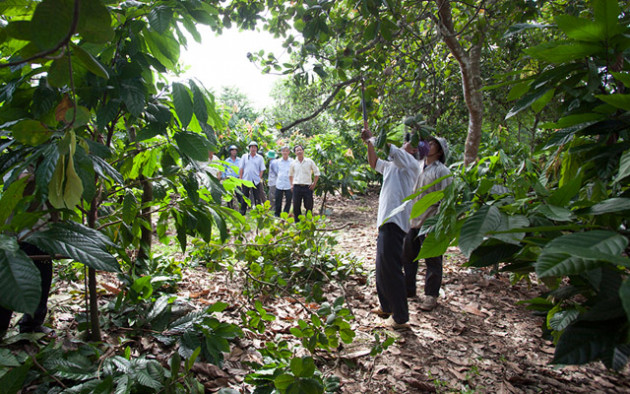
x=98, y=150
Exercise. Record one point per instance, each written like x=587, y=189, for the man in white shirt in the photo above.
x=251, y=169
x=400, y=172
x=283, y=182
x=300, y=174
x=233, y=161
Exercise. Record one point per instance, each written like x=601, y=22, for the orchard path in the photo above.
x=477, y=340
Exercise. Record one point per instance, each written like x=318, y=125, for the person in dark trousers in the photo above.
x=283, y=183
x=400, y=173
x=433, y=169
x=301, y=175
x=251, y=169
x=33, y=323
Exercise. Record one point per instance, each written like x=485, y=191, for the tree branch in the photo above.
x=61, y=44
x=322, y=107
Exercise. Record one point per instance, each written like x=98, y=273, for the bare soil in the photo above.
x=479, y=339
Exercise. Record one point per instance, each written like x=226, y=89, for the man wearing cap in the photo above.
x=272, y=177
x=301, y=175
x=233, y=161
x=434, y=169
x=400, y=172
x=251, y=169
x=283, y=182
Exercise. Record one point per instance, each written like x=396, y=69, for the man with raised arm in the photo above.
x=400, y=172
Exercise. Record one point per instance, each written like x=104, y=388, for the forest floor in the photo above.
x=478, y=339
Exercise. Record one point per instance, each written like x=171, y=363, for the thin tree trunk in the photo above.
x=95, y=329
x=470, y=67
x=146, y=237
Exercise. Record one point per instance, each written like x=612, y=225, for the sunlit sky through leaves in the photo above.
x=221, y=60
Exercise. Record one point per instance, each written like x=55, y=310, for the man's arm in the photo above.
x=366, y=135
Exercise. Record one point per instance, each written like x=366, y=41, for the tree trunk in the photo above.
x=146, y=237
x=470, y=67
x=95, y=329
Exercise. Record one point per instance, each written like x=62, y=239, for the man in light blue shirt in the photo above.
x=272, y=177
x=283, y=183
x=251, y=169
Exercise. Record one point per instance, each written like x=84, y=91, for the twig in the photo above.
x=62, y=43
x=48, y=373
x=274, y=285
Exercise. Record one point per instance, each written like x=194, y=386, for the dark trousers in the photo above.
x=390, y=280
x=253, y=193
x=27, y=322
x=287, y=205
x=433, y=278
x=302, y=193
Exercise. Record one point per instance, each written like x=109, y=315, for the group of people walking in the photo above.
x=407, y=170
x=291, y=181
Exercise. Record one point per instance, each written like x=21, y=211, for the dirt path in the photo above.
x=477, y=340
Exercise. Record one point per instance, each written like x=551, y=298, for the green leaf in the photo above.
x=51, y=22
x=561, y=320
x=475, y=228
x=73, y=189
x=81, y=243
x=160, y=18
x=606, y=14
x=553, y=212
x=580, y=345
x=624, y=77
x=612, y=205
x=132, y=92
x=562, y=52
x=433, y=247
x=542, y=102
x=518, y=91
x=192, y=145
x=283, y=381
x=303, y=367
x=199, y=103
x=130, y=207
x=183, y=106
x=526, y=101
x=617, y=100
x=20, y=281
x=509, y=223
x=624, y=295
x=420, y=206
x=95, y=22
x=31, y=132
x=580, y=252
x=90, y=62
x=12, y=381
x=563, y=195
x=10, y=198
x=580, y=29
x=624, y=166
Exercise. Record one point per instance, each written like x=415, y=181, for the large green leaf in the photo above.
x=580, y=345
x=606, y=14
x=20, y=281
x=160, y=18
x=81, y=243
x=199, y=103
x=433, y=247
x=612, y=205
x=509, y=223
x=581, y=29
x=192, y=145
x=475, y=228
x=624, y=166
x=90, y=62
x=580, y=252
x=420, y=206
x=562, y=52
x=31, y=132
x=492, y=252
x=624, y=295
x=10, y=198
x=555, y=213
x=132, y=92
x=51, y=22
x=95, y=22
x=183, y=105
x=617, y=100
x=130, y=207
